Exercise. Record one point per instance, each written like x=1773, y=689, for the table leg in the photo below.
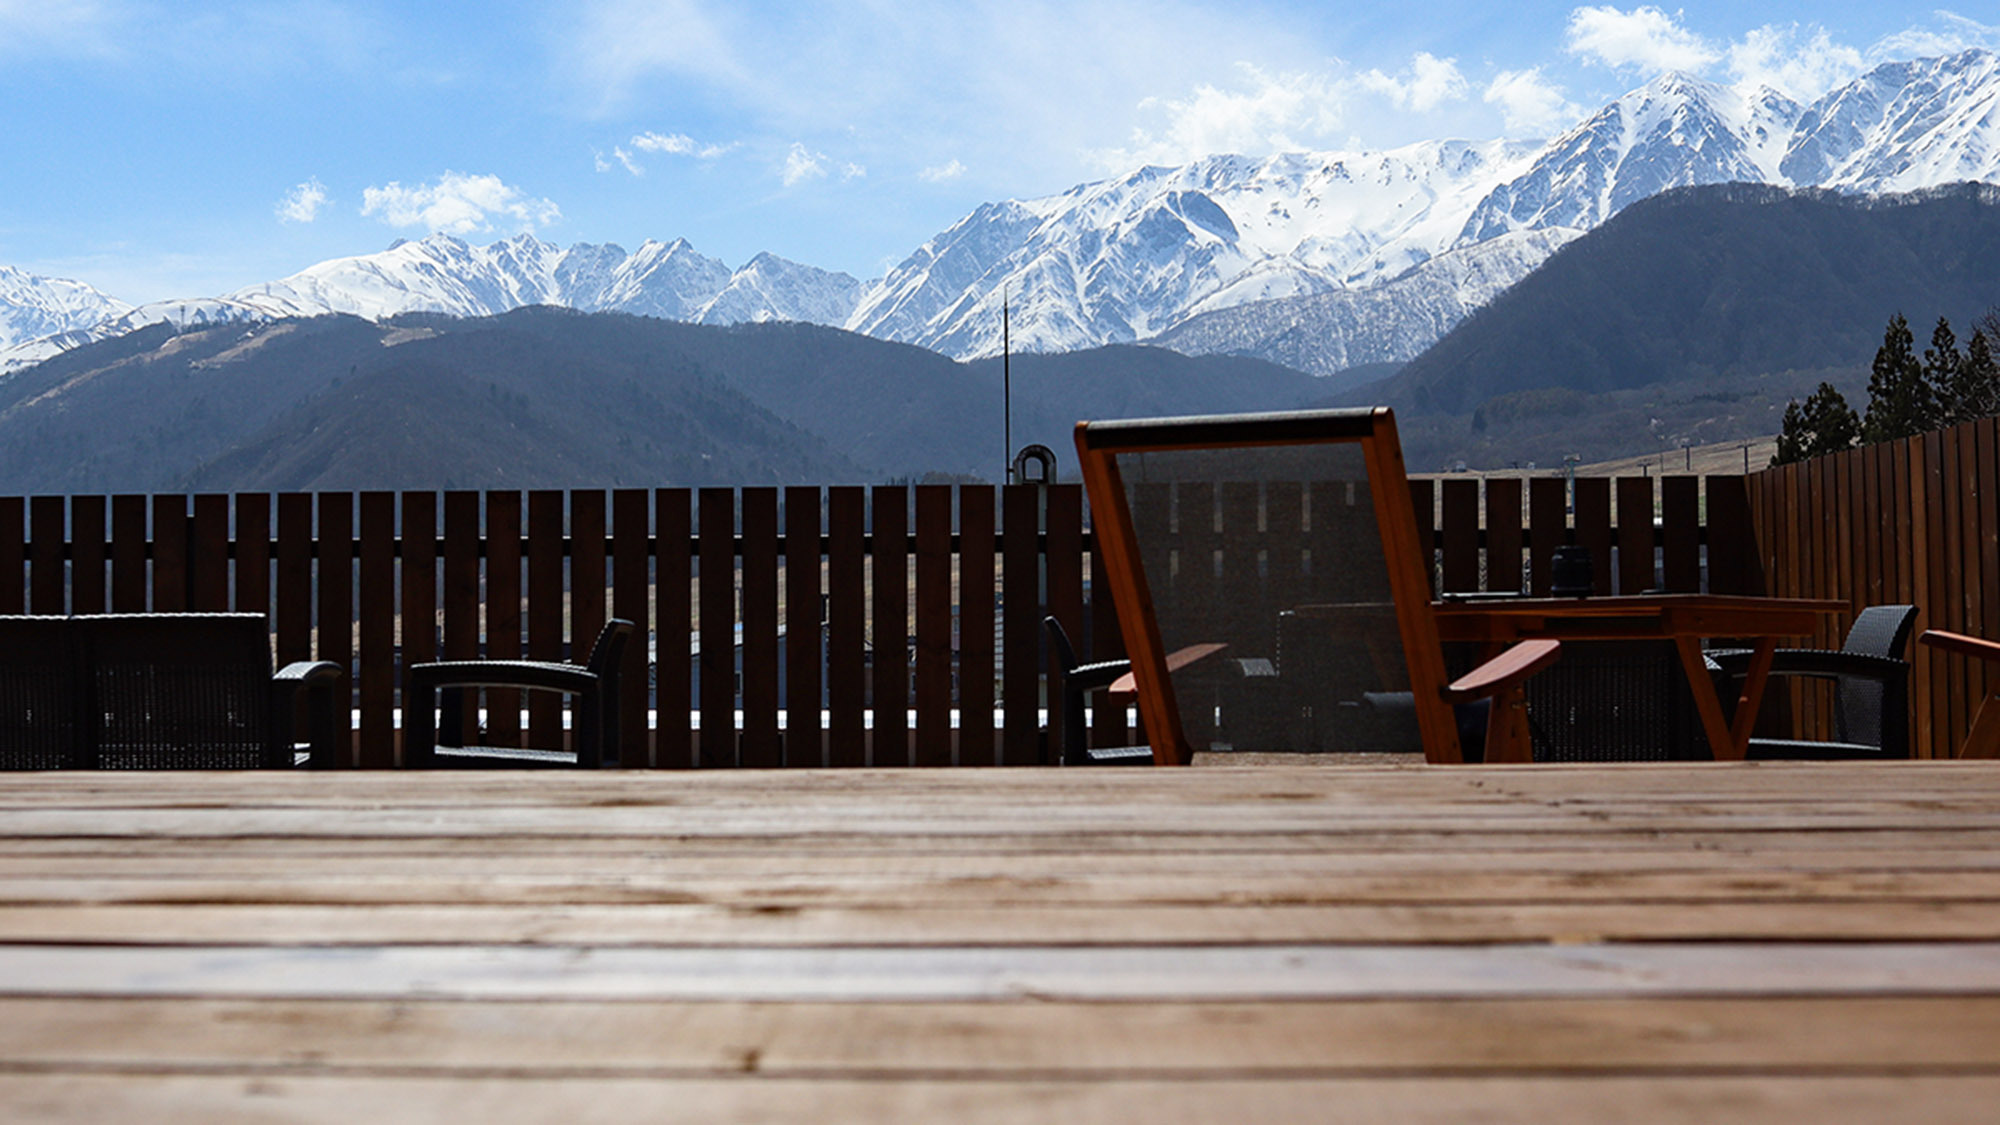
x=1755, y=676
x=1507, y=735
x=1983, y=739
x=1722, y=742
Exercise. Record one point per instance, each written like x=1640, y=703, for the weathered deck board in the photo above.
x=1750, y=943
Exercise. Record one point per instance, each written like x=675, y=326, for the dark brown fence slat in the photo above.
x=547, y=527
x=294, y=577
x=89, y=590
x=13, y=554
x=1460, y=536
x=1423, y=499
x=460, y=576
x=377, y=626
x=208, y=554
x=933, y=606
x=418, y=579
x=170, y=534
x=1548, y=528
x=253, y=552
x=48, y=580
x=503, y=611
x=761, y=747
x=1021, y=627
x=976, y=618
x=631, y=556
x=718, y=627
x=1063, y=564
x=846, y=626
x=1680, y=519
x=1952, y=487
x=803, y=635
x=588, y=582
x=1635, y=534
x=1732, y=559
x=1504, y=537
x=673, y=622
x=890, y=583
x=1593, y=527
x=335, y=601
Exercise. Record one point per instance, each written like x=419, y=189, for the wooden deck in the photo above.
x=1761, y=942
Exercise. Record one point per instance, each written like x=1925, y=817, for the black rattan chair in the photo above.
x=427, y=744
x=1078, y=681
x=1871, y=688
x=156, y=691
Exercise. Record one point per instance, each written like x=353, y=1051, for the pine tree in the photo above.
x=1899, y=400
x=1942, y=366
x=1825, y=424
x=1977, y=394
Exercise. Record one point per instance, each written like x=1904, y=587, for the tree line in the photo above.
x=1907, y=393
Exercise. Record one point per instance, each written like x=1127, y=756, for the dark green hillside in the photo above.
x=1717, y=285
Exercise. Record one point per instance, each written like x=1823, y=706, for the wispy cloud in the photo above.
x=302, y=203
x=79, y=27
x=457, y=204
x=1426, y=84
x=1802, y=64
x=1529, y=103
x=1950, y=34
x=1644, y=38
x=1265, y=113
x=942, y=173
x=802, y=164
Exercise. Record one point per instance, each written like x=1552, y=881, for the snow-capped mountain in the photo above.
x=32, y=307
x=1319, y=260
x=1130, y=259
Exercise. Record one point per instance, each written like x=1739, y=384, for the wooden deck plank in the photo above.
x=1720, y=1035
x=1781, y=1100
x=784, y=924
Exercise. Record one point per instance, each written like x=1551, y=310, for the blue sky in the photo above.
x=159, y=149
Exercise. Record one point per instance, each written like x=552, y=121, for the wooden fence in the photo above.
x=1915, y=521
x=955, y=579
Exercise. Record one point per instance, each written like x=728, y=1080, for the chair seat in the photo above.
x=503, y=757
x=1795, y=750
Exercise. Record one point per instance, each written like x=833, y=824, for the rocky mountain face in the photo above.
x=1321, y=261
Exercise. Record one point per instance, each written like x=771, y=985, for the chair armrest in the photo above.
x=1090, y=677
x=503, y=673
x=319, y=679
x=1178, y=659
x=1505, y=671
x=1814, y=662
x=1979, y=648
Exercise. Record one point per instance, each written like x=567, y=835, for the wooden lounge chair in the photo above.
x=595, y=684
x=1289, y=538
x=1871, y=688
x=157, y=691
x=1982, y=738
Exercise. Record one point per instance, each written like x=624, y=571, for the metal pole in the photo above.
x=1006, y=387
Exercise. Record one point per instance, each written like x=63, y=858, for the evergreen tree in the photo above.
x=1977, y=394
x=1825, y=424
x=1942, y=364
x=1899, y=400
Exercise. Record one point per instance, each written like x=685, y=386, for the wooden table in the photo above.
x=1747, y=942
x=1684, y=619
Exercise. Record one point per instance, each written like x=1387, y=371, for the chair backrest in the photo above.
x=609, y=647
x=41, y=692
x=181, y=691
x=1879, y=630
x=1289, y=538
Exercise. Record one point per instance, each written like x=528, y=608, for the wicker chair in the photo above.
x=427, y=744
x=1289, y=539
x=156, y=691
x=1871, y=688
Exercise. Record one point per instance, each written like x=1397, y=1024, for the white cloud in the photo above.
x=1955, y=33
x=1529, y=103
x=457, y=204
x=802, y=163
x=1269, y=113
x=82, y=27
x=679, y=144
x=853, y=172
x=1427, y=84
x=302, y=203
x=1645, y=37
x=942, y=173
x=1800, y=68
